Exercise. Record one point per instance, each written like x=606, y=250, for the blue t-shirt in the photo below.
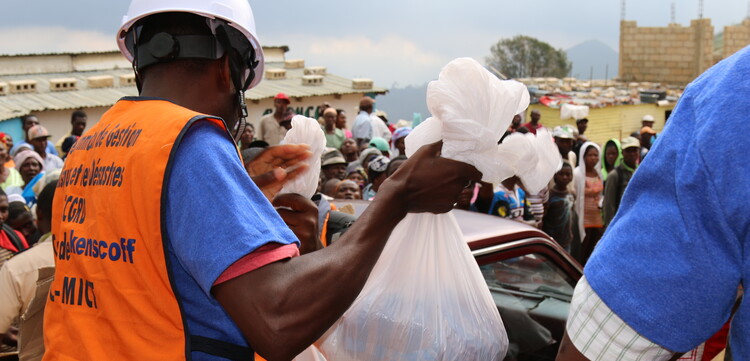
x=671, y=261
x=215, y=215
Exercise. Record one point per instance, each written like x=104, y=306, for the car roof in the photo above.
x=475, y=226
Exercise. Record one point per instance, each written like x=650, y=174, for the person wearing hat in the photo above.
x=271, y=129
x=39, y=139
x=158, y=279
x=334, y=136
x=399, y=141
x=31, y=167
x=619, y=178
x=362, y=130
x=27, y=122
x=647, y=134
x=381, y=145
x=377, y=173
x=564, y=139
x=333, y=164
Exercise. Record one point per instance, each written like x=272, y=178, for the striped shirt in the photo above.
x=600, y=335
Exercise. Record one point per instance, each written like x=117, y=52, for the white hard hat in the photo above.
x=237, y=14
x=647, y=118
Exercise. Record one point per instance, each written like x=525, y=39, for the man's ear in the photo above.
x=225, y=74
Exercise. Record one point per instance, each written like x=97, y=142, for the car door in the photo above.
x=531, y=281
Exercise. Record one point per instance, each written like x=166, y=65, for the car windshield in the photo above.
x=530, y=273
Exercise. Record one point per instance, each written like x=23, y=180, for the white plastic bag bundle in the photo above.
x=426, y=298
x=306, y=131
x=568, y=111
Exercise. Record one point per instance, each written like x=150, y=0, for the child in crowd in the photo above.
x=11, y=241
x=559, y=219
x=507, y=201
x=21, y=219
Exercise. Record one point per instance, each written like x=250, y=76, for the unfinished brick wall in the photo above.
x=669, y=55
x=735, y=38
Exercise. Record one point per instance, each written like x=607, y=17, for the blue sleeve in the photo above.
x=215, y=213
x=670, y=262
x=51, y=148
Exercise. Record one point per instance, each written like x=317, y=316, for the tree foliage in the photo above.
x=527, y=57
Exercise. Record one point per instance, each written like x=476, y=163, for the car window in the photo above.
x=530, y=273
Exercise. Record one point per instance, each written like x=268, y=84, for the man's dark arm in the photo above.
x=284, y=307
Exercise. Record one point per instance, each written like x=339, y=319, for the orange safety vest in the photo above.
x=113, y=296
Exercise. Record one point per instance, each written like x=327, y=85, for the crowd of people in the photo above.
x=28, y=166
x=31, y=168
x=574, y=210
x=139, y=273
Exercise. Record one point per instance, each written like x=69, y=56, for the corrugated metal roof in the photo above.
x=16, y=105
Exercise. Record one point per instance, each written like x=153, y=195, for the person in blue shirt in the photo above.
x=666, y=273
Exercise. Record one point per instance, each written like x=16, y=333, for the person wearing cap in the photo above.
x=334, y=136
x=362, y=130
x=399, y=141
x=162, y=281
x=618, y=179
x=377, y=173
x=27, y=122
x=39, y=139
x=647, y=134
x=381, y=145
x=270, y=127
x=333, y=164
x=564, y=140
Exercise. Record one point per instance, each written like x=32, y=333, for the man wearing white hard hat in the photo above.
x=141, y=274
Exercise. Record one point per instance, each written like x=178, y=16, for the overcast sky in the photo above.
x=392, y=41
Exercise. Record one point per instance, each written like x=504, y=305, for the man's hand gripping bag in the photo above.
x=426, y=298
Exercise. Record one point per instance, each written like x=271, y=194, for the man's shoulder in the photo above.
x=40, y=255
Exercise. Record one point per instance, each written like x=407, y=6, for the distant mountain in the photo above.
x=402, y=103
x=596, y=54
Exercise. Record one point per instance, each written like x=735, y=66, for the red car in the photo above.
x=531, y=279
